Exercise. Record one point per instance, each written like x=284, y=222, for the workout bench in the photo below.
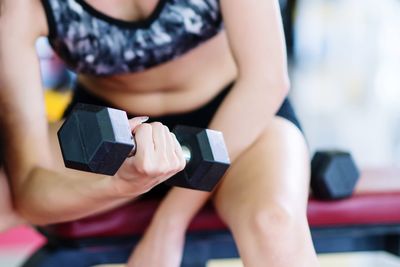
x=368, y=221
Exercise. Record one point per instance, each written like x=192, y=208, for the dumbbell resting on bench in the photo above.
x=99, y=139
x=334, y=175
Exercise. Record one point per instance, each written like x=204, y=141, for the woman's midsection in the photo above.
x=174, y=87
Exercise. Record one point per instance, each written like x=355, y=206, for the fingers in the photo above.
x=178, y=153
x=173, y=153
x=167, y=161
x=158, y=153
x=160, y=133
x=135, y=122
x=144, y=140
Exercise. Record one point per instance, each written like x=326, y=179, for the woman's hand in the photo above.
x=8, y=217
x=158, y=157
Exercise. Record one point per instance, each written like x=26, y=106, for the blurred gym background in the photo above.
x=344, y=58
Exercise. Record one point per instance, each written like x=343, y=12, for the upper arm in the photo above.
x=22, y=115
x=256, y=38
x=25, y=18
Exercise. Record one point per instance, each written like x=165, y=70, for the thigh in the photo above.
x=274, y=171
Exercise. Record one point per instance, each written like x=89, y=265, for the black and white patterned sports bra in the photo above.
x=91, y=42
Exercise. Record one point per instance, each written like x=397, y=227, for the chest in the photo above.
x=106, y=37
x=128, y=10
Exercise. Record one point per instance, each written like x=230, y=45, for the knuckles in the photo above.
x=144, y=129
x=145, y=126
x=147, y=169
x=157, y=125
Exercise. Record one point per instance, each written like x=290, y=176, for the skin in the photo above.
x=8, y=218
x=266, y=150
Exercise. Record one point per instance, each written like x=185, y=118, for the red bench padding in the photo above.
x=371, y=204
x=361, y=209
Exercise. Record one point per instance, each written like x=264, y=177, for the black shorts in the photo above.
x=200, y=117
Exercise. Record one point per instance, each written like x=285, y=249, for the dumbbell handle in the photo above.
x=187, y=154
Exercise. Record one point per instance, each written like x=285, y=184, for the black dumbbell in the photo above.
x=334, y=175
x=99, y=139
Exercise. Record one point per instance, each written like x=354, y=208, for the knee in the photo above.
x=275, y=220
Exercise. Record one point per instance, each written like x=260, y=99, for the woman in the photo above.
x=204, y=63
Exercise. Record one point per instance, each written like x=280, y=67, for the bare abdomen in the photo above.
x=175, y=87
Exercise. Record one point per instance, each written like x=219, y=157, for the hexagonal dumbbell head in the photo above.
x=95, y=139
x=334, y=175
x=208, y=162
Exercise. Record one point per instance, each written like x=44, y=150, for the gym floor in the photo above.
x=14, y=257
x=363, y=259
x=17, y=244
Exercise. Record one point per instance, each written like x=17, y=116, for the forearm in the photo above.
x=49, y=197
x=60, y=194
x=262, y=81
x=52, y=194
x=246, y=112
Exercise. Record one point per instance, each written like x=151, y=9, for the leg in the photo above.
x=263, y=199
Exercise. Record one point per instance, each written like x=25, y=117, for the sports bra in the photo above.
x=91, y=42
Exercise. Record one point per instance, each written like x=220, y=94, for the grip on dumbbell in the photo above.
x=99, y=139
x=185, y=150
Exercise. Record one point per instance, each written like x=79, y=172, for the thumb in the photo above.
x=135, y=122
